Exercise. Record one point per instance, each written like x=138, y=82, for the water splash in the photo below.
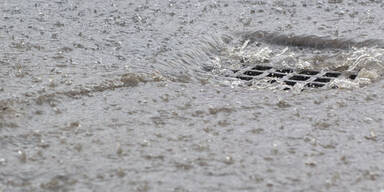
x=217, y=57
x=367, y=62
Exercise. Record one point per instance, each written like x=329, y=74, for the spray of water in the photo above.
x=217, y=57
x=366, y=61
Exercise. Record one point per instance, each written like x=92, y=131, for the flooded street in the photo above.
x=148, y=95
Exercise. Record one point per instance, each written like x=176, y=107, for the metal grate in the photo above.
x=311, y=78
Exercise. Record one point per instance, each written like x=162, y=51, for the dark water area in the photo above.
x=142, y=96
x=310, y=41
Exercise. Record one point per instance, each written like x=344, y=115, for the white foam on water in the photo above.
x=367, y=62
x=216, y=57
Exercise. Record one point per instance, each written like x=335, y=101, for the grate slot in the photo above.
x=323, y=80
x=353, y=77
x=315, y=85
x=332, y=74
x=308, y=72
x=262, y=68
x=284, y=70
x=311, y=78
x=276, y=75
x=245, y=78
x=299, y=78
x=253, y=73
x=290, y=83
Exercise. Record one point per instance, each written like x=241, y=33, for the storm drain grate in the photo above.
x=311, y=78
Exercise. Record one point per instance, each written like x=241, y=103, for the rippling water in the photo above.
x=221, y=56
x=142, y=96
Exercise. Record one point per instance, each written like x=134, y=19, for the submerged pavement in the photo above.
x=136, y=96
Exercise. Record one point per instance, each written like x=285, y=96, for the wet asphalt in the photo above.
x=134, y=96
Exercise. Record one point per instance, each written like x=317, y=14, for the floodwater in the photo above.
x=140, y=95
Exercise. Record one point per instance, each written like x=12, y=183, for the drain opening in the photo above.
x=315, y=85
x=310, y=78
x=253, y=73
x=284, y=70
x=291, y=83
x=323, y=80
x=245, y=78
x=276, y=75
x=299, y=78
x=262, y=68
x=309, y=72
x=332, y=74
x=353, y=77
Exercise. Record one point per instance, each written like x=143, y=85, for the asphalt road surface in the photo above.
x=142, y=95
